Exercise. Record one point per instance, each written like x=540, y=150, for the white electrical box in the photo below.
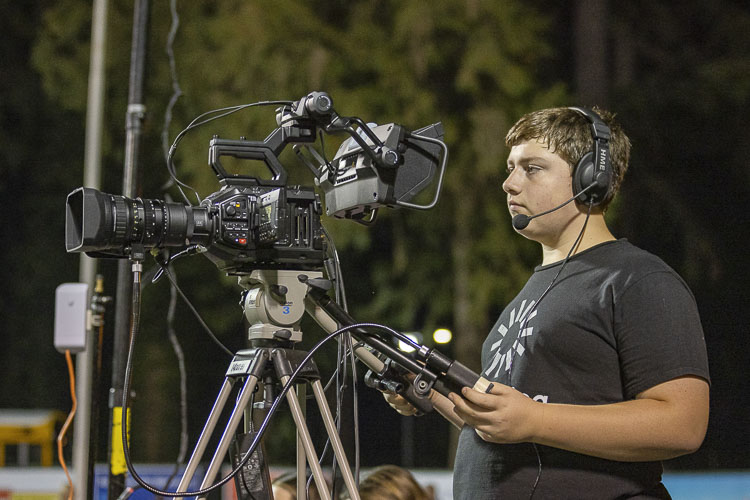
x=71, y=306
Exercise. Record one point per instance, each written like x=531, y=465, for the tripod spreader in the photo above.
x=433, y=369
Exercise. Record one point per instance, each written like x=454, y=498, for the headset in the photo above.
x=595, y=167
x=592, y=175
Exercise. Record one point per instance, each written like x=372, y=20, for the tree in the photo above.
x=38, y=144
x=685, y=103
x=472, y=65
x=680, y=85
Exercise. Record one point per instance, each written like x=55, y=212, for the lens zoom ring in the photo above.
x=120, y=217
x=150, y=231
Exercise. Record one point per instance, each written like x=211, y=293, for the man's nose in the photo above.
x=510, y=185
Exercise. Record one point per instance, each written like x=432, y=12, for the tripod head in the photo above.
x=273, y=301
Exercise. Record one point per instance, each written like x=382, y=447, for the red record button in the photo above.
x=243, y=241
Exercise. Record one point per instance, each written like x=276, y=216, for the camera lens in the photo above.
x=108, y=223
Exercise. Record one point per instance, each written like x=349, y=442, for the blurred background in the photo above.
x=676, y=73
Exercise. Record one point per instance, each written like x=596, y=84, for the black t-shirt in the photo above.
x=617, y=321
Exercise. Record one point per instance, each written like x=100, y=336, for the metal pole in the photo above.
x=87, y=267
x=133, y=127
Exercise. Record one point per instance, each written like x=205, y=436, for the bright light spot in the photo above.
x=442, y=336
x=407, y=347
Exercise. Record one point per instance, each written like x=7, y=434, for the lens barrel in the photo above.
x=99, y=222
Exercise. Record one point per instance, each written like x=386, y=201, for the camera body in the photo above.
x=265, y=227
x=242, y=227
x=263, y=223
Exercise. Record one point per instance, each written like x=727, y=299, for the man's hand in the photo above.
x=399, y=403
x=663, y=422
x=503, y=415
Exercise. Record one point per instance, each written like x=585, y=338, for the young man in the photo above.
x=599, y=364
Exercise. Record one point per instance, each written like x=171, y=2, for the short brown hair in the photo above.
x=390, y=482
x=567, y=133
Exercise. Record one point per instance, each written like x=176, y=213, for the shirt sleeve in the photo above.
x=659, y=333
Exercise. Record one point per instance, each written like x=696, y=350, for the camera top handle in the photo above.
x=298, y=124
x=266, y=151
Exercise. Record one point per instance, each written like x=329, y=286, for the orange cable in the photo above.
x=65, y=426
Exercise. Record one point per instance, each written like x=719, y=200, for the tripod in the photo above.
x=274, y=304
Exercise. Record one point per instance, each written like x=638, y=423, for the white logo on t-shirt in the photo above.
x=502, y=360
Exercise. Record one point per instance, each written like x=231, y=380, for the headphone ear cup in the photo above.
x=583, y=177
x=586, y=174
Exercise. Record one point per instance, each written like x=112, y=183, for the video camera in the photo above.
x=253, y=223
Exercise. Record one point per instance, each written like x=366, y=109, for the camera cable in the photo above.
x=525, y=322
x=135, y=321
x=71, y=415
x=198, y=121
x=173, y=281
x=345, y=354
x=180, y=355
x=176, y=90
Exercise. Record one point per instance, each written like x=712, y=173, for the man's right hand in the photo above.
x=443, y=405
x=399, y=403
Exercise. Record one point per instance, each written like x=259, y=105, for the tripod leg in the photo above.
x=304, y=434
x=229, y=431
x=301, y=456
x=208, y=429
x=338, y=448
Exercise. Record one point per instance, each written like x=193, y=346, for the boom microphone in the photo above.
x=520, y=221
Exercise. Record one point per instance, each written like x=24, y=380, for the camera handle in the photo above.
x=298, y=125
x=433, y=369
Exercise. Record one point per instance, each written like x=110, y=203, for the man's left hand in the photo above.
x=504, y=415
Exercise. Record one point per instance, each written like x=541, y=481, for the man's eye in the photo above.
x=531, y=169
